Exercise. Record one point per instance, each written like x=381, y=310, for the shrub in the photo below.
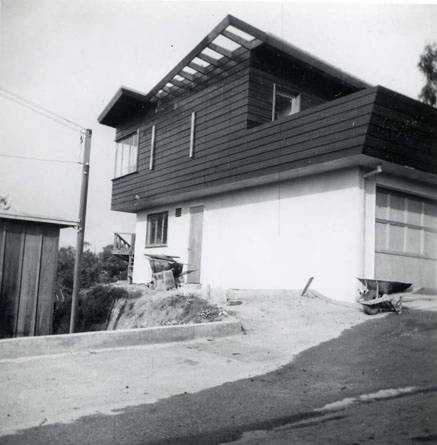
x=93, y=311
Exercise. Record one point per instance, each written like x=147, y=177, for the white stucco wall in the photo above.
x=275, y=236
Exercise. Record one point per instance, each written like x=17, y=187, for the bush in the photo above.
x=93, y=309
x=95, y=269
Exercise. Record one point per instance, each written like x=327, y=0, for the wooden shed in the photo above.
x=28, y=261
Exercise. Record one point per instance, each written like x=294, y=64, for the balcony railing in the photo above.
x=124, y=244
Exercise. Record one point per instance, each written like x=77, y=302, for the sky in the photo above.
x=72, y=56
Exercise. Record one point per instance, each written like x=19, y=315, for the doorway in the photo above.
x=195, y=243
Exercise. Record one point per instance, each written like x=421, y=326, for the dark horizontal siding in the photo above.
x=403, y=131
x=220, y=106
x=375, y=122
x=289, y=75
x=261, y=95
x=329, y=130
x=301, y=133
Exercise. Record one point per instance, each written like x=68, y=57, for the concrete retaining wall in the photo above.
x=57, y=344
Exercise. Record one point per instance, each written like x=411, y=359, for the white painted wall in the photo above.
x=275, y=236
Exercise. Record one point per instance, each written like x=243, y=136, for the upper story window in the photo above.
x=284, y=103
x=126, y=155
x=157, y=224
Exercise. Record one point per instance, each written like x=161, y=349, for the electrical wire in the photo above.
x=40, y=159
x=41, y=110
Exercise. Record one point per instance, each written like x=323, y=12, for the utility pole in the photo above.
x=81, y=226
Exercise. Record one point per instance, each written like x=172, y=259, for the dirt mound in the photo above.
x=161, y=308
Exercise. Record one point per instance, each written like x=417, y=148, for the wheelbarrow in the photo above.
x=167, y=271
x=382, y=295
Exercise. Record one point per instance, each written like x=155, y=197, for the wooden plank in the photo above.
x=260, y=143
x=192, y=54
x=237, y=39
x=192, y=132
x=199, y=100
x=208, y=142
x=209, y=59
x=46, y=288
x=234, y=158
x=389, y=148
x=183, y=85
x=299, y=128
x=206, y=115
x=30, y=280
x=10, y=290
x=403, y=104
x=261, y=158
x=257, y=164
x=297, y=163
x=190, y=77
x=219, y=49
x=295, y=121
x=239, y=152
x=199, y=68
x=411, y=139
x=152, y=148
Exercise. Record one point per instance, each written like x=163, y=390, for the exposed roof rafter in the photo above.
x=200, y=69
x=237, y=39
x=204, y=53
x=219, y=49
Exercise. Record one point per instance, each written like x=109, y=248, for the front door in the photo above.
x=195, y=243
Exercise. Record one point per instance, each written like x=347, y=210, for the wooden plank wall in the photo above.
x=266, y=70
x=403, y=131
x=221, y=110
x=324, y=132
x=28, y=261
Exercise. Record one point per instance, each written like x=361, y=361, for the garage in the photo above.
x=406, y=239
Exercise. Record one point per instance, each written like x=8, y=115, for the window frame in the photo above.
x=163, y=241
x=120, y=141
x=288, y=93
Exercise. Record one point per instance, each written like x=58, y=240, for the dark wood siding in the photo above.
x=328, y=131
x=28, y=261
x=266, y=70
x=375, y=122
x=221, y=109
x=402, y=131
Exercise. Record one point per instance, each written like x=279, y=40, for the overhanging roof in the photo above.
x=38, y=219
x=222, y=45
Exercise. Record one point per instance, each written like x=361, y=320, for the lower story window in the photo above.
x=157, y=224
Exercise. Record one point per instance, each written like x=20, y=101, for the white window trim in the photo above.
x=192, y=131
x=152, y=148
x=135, y=165
x=150, y=245
x=297, y=102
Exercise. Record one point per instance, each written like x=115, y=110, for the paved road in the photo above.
x=383, y=373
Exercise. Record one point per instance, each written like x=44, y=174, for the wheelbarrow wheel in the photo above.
x=370, y=310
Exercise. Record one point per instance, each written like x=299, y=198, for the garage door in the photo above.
x=406, y=239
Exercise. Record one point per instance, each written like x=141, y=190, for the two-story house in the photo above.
x=261, y=166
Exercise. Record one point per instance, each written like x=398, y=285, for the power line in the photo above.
x=40, y=110
x=39, y=159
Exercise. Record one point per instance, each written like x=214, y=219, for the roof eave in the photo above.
x=123, y=92
x=62, y=223
x=110, y=115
